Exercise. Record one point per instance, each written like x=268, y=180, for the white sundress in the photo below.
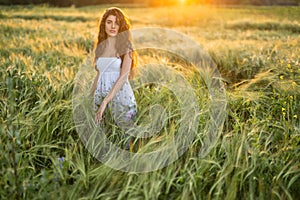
x=123, y=104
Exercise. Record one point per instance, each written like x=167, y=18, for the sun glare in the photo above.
x=181, y=1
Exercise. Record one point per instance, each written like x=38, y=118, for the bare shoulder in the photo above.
x=128, y=55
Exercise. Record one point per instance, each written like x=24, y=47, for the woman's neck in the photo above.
x=110, y=49
x=111, y=41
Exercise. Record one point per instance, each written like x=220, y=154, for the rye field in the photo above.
x=257, y=156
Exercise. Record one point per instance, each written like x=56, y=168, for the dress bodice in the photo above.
x=108, y=64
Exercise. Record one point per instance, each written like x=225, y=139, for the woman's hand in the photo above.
x=100, y=112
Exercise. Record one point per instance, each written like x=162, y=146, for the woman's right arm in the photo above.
x=94, y=86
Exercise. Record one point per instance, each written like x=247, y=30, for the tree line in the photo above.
x=63, y=3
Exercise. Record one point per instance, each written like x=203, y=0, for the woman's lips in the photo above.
x=112, y=31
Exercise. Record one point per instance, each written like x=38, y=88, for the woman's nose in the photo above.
x=113, y=25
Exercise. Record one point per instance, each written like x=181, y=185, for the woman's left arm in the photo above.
x=125, y=70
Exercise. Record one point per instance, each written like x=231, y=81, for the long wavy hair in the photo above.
x=123, y=38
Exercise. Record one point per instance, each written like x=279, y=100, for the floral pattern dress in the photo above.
x=123, y=104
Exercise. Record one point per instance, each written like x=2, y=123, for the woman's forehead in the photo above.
x=112, y=18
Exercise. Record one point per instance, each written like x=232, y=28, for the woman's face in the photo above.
x=111, y=26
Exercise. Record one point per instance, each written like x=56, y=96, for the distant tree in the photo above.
x=62, y=3
x=22, y=2
x=275, y=2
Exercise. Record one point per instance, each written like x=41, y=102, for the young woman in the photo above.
x=114, y=63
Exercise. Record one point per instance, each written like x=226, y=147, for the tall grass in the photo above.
x=257, y=156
